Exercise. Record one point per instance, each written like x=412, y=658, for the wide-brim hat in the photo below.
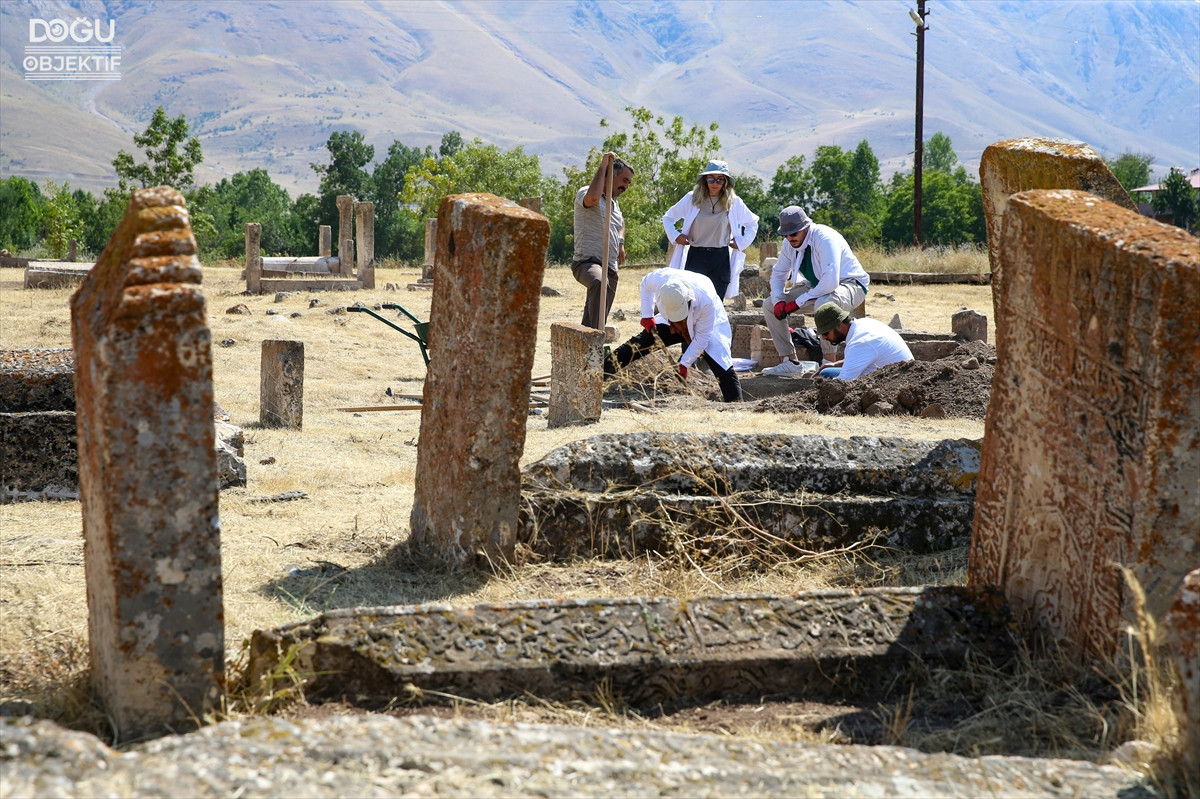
x=829, y=316
x=792, y=220
x=674, y=298
x=717, y=168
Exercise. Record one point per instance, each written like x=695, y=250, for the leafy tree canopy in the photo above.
x=171, y=156
x=1131, y=169
x=1176, y=195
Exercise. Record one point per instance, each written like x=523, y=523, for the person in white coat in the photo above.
x=689, y=313
x=821, y=267
x=717, y=229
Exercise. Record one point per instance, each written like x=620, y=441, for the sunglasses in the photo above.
x=712, y=179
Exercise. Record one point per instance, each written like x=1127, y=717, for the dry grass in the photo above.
x=285, y=561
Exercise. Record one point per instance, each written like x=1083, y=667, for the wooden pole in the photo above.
x=608, y=201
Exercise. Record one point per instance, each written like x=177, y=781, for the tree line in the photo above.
x=841, y=188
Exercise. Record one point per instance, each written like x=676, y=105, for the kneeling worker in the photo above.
x=691, y=314
x=870, y=343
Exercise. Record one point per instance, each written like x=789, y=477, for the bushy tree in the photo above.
x=951, y=202
x=252, y=197
x=1131, y=169
x=397, y=234
x=344, y=174
x=20, y=214
x=938, y=155
x=1176, y=195
x=171, y=156
x=754, y=194
x=61, y=219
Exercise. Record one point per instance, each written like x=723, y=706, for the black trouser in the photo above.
x=713, y=263
x=643, y=343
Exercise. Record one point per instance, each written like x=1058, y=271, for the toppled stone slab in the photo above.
x=43, y=275
x=37, y=380
x=382, y=756
x=38, y=458
x=644, y=650
x=622, y=495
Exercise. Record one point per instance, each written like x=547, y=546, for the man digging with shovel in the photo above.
x=690, y=314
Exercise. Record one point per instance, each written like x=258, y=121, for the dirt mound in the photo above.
x=958, y=385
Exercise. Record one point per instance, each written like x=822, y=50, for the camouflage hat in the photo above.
x=829, y=316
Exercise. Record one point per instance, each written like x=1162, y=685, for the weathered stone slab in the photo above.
x=1034, y=162
x=324, y=241
x=281, y=384
x=364, y=224
x=644, y=650
x=254, y=261
x=725, y=463
x=37, y=380
x=621, y=496
x=42, y=275
x=345, y=207
x=483, y=321
x=932, y=350
x=37, y=456
x=147, y=466
x=1183, y=642
x=1093, y=430
x=969, y=325
x=576, y=374
x=376, y=755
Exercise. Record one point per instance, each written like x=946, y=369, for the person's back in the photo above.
x=870, y=345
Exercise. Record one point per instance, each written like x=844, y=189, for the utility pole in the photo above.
x=918, y=17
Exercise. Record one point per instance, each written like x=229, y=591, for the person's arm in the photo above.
x=701, y=330
x=651, y=283
x=621, y=244
x=596, y=188
x=675, y=213
x=743, y=224
x=780, y=272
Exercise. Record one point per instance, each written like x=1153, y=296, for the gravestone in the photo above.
x=576, y=374
x=345, y=206
x=147, y=473
x=430, y=246
x=325, y=241
x=281, y=384
x=254, y=263
x=1034, y=162
x=482, y=330
x=969, y=325
x=1093, y=429
x=364, y=217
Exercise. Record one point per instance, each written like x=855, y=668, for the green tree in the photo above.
x=1176, y=195
x=1131, y=169
x=171, y=156
x=61, y=219
x=951, y=210
x=754, y=194
x=344, y=174
x=20, y=214
x=666, y=157
x=793, y=184
x=477, y=167
x=251, y=197
x=452, y=142
x=939, y=155
x=398, y=234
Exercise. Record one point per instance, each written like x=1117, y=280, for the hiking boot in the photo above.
x=786, y=369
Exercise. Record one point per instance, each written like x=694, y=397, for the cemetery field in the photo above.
x=339, y=545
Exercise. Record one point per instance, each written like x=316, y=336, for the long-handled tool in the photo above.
x=602, y=312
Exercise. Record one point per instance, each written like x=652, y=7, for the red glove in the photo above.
x=683, y=371
x=791, y=306
x=779, y=310
x=648, y=324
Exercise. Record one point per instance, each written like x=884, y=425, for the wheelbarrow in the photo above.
x=421, y=336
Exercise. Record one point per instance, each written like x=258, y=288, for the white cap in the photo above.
x=673, y=299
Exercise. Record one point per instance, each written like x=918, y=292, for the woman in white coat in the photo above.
x=717, y=228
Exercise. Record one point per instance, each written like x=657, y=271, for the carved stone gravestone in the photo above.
x=482, y=330
x=148, y=473
x=1093, y=429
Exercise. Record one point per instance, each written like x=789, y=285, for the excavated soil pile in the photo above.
x=954, y=386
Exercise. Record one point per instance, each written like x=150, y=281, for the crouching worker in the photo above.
x=870, y=344
x=690, y=314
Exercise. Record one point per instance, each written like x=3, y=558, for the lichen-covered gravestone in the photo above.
x=1092, y=448
x=148, y=473
x=1036, y=162
x=491, y=254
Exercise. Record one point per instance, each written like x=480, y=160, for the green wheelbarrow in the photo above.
x=421, y=336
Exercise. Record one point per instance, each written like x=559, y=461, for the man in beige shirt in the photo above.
x=591, y=207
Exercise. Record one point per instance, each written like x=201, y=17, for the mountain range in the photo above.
x=263, y=84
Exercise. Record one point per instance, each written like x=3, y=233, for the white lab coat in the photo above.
x=743, y=225
x=707, y=323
